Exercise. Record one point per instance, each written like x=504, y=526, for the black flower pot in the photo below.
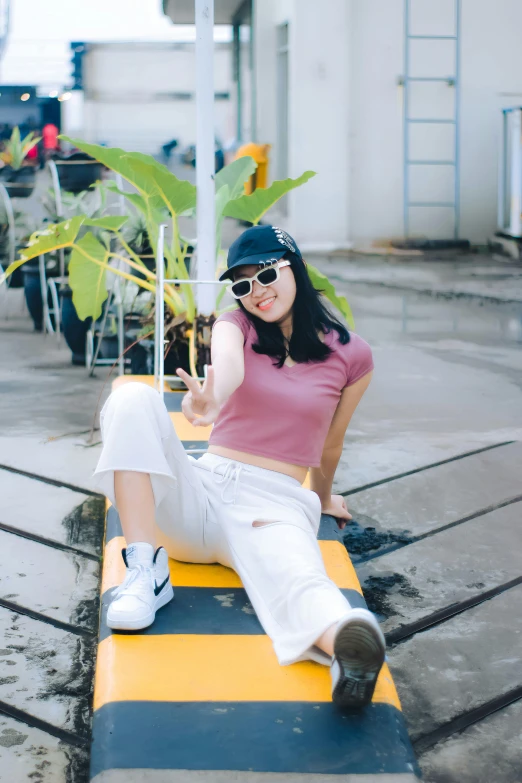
x=150, y=262
x=16, y=279
x=78, y=171
x=142, y=356
x=33, y=294
x=19, y=183
x=74, y=330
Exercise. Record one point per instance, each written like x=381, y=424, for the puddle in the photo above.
x=361, y=539
x=85, y=525
x=378, y=589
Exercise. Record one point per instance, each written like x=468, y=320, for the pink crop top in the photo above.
x=285, y=413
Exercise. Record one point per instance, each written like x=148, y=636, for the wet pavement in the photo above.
x=432, y=474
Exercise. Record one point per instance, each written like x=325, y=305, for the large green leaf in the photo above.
x=121, y=162
x=52, y=238
x=322, y=283
x=109, y=222
x=178, y=195
x=254, y=206
x=235, y=175
x=221, y=200
x=87, y=278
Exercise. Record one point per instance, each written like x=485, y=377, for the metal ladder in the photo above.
x=452, y=81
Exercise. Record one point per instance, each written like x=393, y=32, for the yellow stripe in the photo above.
x=181, y=574
x=337, y=563
x=185, y=430
x=211, y=668
x=146, y=379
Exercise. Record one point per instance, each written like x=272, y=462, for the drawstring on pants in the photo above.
x=232, y=472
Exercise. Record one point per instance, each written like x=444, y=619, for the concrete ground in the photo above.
x=432, y=474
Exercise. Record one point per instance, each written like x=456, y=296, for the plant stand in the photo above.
x=8, y=207
x=159, y=342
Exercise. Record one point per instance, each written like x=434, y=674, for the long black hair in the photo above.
x=309, y=317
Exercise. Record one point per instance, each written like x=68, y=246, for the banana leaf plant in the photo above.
x=157, y=194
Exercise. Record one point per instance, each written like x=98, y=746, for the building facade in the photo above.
x=396, y=104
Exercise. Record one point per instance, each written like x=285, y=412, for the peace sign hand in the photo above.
x=199, y=401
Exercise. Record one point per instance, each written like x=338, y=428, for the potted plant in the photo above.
x=23, y=228
x=17, y=175
x=158, y=190
x=77, y=171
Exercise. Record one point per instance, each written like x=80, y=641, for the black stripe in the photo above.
x=328, y=530
x=173, y=401
x=206, y=610
x=200, y=445
x=299, y=737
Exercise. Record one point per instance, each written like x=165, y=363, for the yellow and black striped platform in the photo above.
x=200, y=695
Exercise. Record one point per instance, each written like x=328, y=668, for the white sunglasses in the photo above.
x=264, y=277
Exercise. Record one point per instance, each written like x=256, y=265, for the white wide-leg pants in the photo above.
x=205, y=510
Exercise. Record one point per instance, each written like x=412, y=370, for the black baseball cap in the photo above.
x=258, y=245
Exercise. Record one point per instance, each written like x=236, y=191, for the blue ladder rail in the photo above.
x=451, y=80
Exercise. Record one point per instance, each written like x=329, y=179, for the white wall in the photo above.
x=318, y=111
x=129, y=94
x=346, y=112
x=375, y=137
x=491, y=80
x=38, y=50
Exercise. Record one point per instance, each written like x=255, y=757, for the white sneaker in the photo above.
x=359, y=652
x=145, y=589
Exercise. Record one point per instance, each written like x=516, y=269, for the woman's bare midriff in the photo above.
x=296, y=471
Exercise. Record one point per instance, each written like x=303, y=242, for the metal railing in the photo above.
x=159, y=341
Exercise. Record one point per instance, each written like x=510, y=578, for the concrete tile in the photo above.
x=46, y=580
x=44, y=671
x=449, y=567
x=460, y=664
x=28, y=754
x=67, y=459
x=436, y=497
x=45, y=510
x=487, y=751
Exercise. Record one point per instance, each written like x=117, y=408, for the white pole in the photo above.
x=516, y=173
x=159, y=344
x=206, y=230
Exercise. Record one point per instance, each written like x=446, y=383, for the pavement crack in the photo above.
x=47, y=480
x=413, y=540
x=405, y=632
x=424, y=467
x=12, y=607
x=15, y=531
x=464, y=720
x=31, y=720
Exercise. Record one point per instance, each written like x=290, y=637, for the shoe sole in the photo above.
x=359, y=651
x=163, y=599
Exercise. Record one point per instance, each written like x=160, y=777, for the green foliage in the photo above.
x=160, y=197
x=87, y=272
x=322, y=283
x=256, y=204
x=235, y=175
x=16, y=148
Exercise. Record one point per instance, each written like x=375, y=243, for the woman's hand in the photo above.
x=199, y=401
x=337, y=508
